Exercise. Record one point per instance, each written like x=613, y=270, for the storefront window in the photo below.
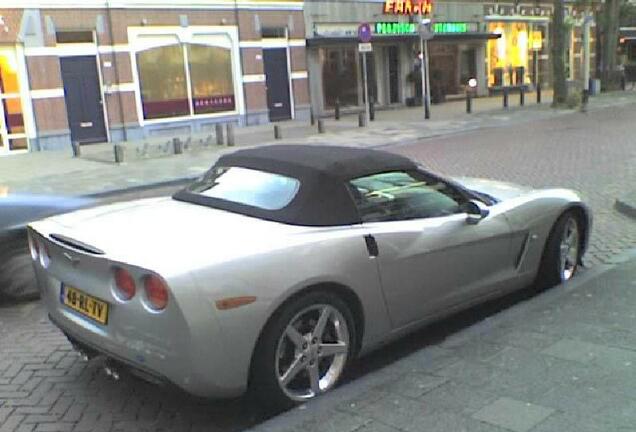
x=508, y=60
x=211, y=92
x=163, y=82
x=182, y=79
x=12, y=128
x=340, y=76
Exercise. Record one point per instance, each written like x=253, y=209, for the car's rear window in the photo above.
x=246, y=186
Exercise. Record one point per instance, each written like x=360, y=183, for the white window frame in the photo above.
x=191, y=34
x=27, y=113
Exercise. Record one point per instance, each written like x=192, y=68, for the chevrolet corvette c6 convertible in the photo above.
x=283, y=263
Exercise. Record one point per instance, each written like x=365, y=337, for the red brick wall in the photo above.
x=50, y=114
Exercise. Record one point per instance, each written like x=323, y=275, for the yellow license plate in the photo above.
x=85, y=304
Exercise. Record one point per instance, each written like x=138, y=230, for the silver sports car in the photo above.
x=283, y=263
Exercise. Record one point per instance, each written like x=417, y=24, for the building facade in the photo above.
x=498, y=44
x=100, y=71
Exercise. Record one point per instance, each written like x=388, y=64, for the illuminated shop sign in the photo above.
x=454, y=27
x=394, y=28
x=408, y=7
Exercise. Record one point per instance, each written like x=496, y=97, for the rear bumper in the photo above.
x=94, y=350
x=190, y=359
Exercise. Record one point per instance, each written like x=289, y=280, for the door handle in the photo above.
x=372, y=246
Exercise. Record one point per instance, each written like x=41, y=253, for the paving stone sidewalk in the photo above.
x=60, y=173
x=564, y=361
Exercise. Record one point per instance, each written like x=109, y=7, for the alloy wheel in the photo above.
x=569, y=250
x=312, y=352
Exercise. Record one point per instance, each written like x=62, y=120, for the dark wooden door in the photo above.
x=394, y=74
x=84, y=104
x=277, y=81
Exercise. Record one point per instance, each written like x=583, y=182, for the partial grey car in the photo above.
x=17, y=281
x=283, y=263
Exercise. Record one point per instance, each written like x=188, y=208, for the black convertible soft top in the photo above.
x=323, y=171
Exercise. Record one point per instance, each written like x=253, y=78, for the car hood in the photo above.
x=159, y=232
x=498, y=189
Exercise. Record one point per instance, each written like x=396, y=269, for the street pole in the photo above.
x=366, y=89
x=427, y=104
x=423, y=74
x=586, y=61
x=535, y=58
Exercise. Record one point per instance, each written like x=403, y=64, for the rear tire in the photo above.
x=294, y=360
x=17, y=278
x=562, y=255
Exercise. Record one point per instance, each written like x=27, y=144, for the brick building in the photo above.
x=99, y=70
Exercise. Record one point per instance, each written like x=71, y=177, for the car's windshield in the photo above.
x=246, y=186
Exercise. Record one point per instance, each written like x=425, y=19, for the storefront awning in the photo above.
x=628, y=33
x=518, y=18
x=325, y=41
x=442, y=37
x=465, y=36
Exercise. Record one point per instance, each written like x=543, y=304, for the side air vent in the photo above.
x=522, y=252
x=75, y=244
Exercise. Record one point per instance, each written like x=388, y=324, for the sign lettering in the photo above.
x=408, y=7
x=395, y=28
x=455, y=27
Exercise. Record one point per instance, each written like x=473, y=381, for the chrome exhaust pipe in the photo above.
x=82, y=354
x=112, y=371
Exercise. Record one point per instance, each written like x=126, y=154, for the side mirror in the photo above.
x=476, y=211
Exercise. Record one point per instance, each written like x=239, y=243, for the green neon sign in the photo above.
x=395, y=28
x=450, y=27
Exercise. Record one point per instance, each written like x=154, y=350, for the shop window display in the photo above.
x=340, y=76
x=12, y=128
x=508, y=56
x=182, y=79
x=211, y=92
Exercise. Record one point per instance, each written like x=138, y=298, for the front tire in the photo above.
x=562, y=254
x=303, y=351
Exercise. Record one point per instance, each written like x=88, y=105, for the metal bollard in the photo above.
x=230, y=135
x=278, y=132
x=321, y=126
x=219, y=133
x=522, y=96
x=469, y=102
x=362, y=119
x=312, y=118
x=177, y=145
x=623, y=82
x=505, y=97
x=538, y=93
x=337, y=109
x=371, y=109
x=76, y=149
x=585, y=100
x=119, y=153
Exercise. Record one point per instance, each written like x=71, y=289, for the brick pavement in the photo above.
x=547, y=365
x=593, y=153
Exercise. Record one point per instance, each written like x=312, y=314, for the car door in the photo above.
x=429, y=257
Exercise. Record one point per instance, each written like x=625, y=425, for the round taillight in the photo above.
x=156, y=292
x=33, y=247
x=124, y=284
